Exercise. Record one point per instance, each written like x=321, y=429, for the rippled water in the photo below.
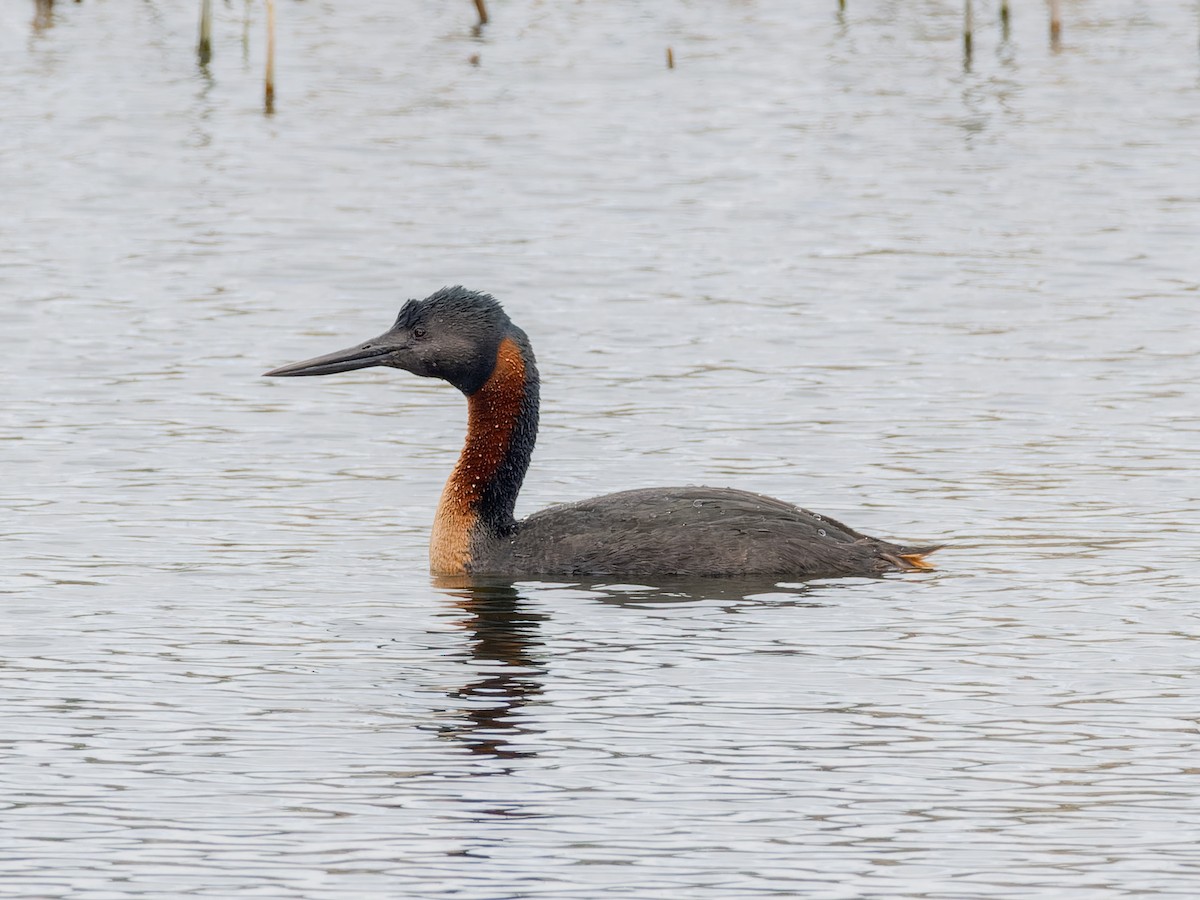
x=818, y=259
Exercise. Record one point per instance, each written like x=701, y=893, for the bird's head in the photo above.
x=453, y=334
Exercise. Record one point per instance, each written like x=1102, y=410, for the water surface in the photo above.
x=819, y=259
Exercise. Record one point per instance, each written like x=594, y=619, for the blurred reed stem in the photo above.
x=204, y=48
x=43, y=14
x=968, y=33
x=269, y=94
x=246, y=32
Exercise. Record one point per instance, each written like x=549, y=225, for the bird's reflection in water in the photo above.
x=504, y=651
x=504, y=645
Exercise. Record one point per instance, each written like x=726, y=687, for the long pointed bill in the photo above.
x=372, y=353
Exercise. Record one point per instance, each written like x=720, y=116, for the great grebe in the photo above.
x=465, y=338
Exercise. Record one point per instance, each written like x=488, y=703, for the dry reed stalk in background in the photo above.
x=269, y=97
x=204, y=48
x=968, y=33
x=43, y=15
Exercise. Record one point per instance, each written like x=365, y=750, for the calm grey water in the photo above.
x=818, y=259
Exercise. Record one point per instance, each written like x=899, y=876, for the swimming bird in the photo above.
x=465, y=338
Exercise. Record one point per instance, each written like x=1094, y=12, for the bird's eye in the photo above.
x=419, y=331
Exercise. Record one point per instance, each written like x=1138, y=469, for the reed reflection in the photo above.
x=504, y=648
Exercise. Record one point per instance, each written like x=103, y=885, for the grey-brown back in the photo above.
x=697, y=531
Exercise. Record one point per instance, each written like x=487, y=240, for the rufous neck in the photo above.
x=481, y=493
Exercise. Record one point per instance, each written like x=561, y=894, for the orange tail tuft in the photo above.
x=917, y=561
